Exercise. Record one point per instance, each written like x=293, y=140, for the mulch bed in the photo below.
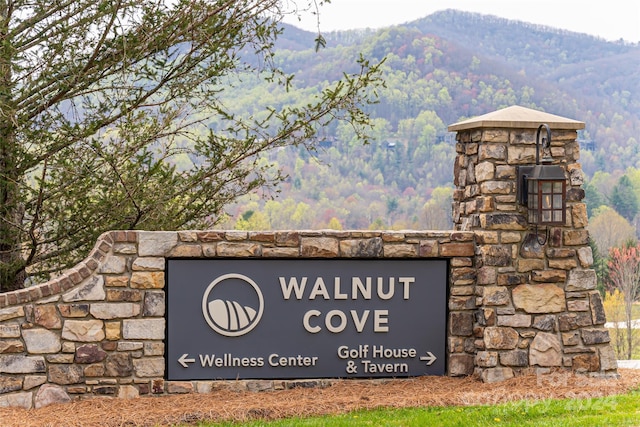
x=341, y=397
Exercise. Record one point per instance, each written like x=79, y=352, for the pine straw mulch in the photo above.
x=340, y=397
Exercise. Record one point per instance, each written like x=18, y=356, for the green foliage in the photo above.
x=114, y=116
x=600, y=266
x=388, y=180
x=154, y=115
x=334, y=224
x=435, y=76
x=621, y=336
x=593, y=198
x=251, y=220
x=624, y=199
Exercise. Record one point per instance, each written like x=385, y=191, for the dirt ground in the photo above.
x=341, y=397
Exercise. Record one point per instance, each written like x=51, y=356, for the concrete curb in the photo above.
x=629, y=364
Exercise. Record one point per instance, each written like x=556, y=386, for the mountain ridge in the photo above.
x=439, y=70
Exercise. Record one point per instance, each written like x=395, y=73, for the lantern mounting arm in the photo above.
x=546, y=143
x=542, y=242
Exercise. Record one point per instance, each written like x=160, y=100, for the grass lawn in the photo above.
x=612, y=411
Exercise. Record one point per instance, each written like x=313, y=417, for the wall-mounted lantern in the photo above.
x=542, y=187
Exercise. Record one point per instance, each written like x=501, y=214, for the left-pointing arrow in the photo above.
x=184, y=359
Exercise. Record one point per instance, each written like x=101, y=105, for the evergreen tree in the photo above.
x=98, y=98
x=624, y=199
x=600, y=266
x=593, y=198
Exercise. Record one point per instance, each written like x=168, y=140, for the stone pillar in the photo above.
x=537, y=305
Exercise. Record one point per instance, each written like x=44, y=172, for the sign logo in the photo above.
x=232, y=305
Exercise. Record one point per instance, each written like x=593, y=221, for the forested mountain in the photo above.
x=438, y=70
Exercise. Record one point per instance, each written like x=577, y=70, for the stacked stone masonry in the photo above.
x=538, y=306
x=99, y=329
x=514, y=304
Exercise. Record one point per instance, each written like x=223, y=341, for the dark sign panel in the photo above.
x=305, y=318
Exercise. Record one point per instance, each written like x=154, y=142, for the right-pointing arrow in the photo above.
x=429, y=358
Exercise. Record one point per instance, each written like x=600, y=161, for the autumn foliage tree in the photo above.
x=608, y=229
x=102, y=101
x=624, y=276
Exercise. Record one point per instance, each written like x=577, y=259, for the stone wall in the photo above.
x=514, y=304
x=537, y=304
x=99, y=329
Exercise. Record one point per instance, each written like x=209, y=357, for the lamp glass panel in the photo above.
x=557, y=201
x=533, y=195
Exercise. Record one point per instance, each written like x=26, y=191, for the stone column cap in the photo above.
x=517, y=117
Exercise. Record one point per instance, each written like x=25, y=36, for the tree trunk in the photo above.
x=12, y=273
x=628, y=315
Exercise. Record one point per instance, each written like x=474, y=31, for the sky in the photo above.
x=609, y=19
